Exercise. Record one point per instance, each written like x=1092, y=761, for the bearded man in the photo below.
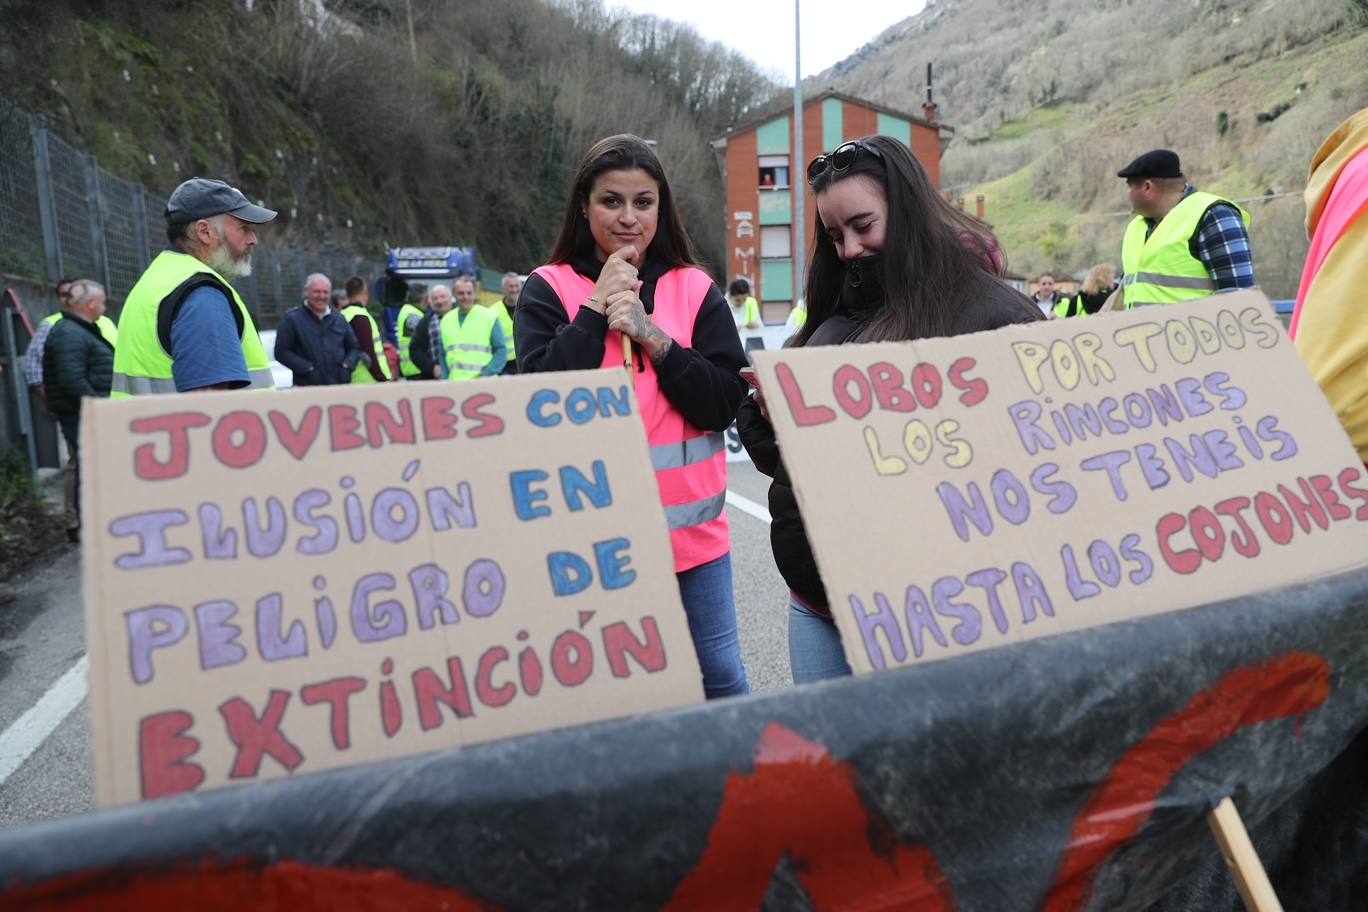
x=183, y=326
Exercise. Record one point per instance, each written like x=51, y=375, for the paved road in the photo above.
x=45, y=771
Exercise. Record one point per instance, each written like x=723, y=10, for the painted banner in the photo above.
x=287, y=582
x=961, y=494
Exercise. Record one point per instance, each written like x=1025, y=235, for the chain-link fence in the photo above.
x=21, y=236
x=62, y=215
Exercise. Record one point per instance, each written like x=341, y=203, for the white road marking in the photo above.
x=29, y=731
x=747, y=506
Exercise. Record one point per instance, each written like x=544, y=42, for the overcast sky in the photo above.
x=763, y=29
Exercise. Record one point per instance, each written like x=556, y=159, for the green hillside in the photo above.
x=1047, y=107
x=374, y=122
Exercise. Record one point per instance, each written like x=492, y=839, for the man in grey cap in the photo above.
x=1183, y=243
x=183, y=326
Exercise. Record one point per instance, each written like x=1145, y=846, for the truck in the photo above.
x=407, y=266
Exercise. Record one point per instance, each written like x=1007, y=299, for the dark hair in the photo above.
x=936, y=259
x=738, y=287
x=57, y=289
x=354, y=286
x=670, y=246
x=1044, y=274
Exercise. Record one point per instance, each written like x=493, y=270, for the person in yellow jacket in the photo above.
x=504, y=309
x=374, y=366
x=1182, y=244
x=1328, y=326
x=745, y=309
x=183, y=326
x=472, y=340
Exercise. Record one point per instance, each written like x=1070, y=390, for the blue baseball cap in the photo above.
x=202, y=197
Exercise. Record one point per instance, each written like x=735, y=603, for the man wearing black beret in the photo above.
x=1183, y=243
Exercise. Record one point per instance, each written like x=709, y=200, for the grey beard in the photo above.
x=222, y=262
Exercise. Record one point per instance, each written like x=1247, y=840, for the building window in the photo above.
x=775, y=241
x=774, y=172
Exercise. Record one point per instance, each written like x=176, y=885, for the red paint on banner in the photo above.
x=1286, y=686
x=164, y=752
x=218, y=887
x=177, y=426
x=802, y=804
x=804, y=415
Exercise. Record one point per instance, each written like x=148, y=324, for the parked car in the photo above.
x=283, y=376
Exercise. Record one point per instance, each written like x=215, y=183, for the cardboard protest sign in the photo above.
x=286, y=582
x=965, y=493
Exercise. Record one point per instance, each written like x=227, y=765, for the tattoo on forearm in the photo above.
x=641, y=326
x=662, y=341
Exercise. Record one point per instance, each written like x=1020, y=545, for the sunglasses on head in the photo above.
x=840, y=160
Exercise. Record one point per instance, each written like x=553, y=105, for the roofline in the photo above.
x=823, y=96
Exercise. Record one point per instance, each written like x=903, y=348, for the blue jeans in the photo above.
x=706, y=591
x=815, y=652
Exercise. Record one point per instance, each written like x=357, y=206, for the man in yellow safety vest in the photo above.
x=374, y=367
x=1183, y=243
x=183, y=327
x=504, y=309
x=472, y=340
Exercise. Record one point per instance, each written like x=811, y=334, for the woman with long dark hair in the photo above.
x=624, y=285
x=891, y=261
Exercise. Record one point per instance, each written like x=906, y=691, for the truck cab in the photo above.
x=428, y=266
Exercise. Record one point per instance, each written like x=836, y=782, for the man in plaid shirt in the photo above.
x=1178, y=234
x=33, y=360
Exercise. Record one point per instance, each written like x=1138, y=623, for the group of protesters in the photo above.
x=443, y=334
x=892, y=260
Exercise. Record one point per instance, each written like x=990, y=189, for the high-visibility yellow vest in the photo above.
x=142, y=365
x=799, y=314
x=105, y=325
x=1161, y=269
x=500, y=310
x=466, y=342
x=401, y=333
x=750, y=313
x=1064, y=305
x=362, y=373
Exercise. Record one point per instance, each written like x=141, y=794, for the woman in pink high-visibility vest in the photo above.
x=623, y=278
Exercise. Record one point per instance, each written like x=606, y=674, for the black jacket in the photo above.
x=702, y=382
x=420, y=346
x=77, y=362
x=788, y=537
x=321, y=352
x=1092, y=303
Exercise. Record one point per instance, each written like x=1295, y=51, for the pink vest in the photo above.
x=690, y=464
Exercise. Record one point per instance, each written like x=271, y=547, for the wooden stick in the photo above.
x=1250, y=877
x=627, y=352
